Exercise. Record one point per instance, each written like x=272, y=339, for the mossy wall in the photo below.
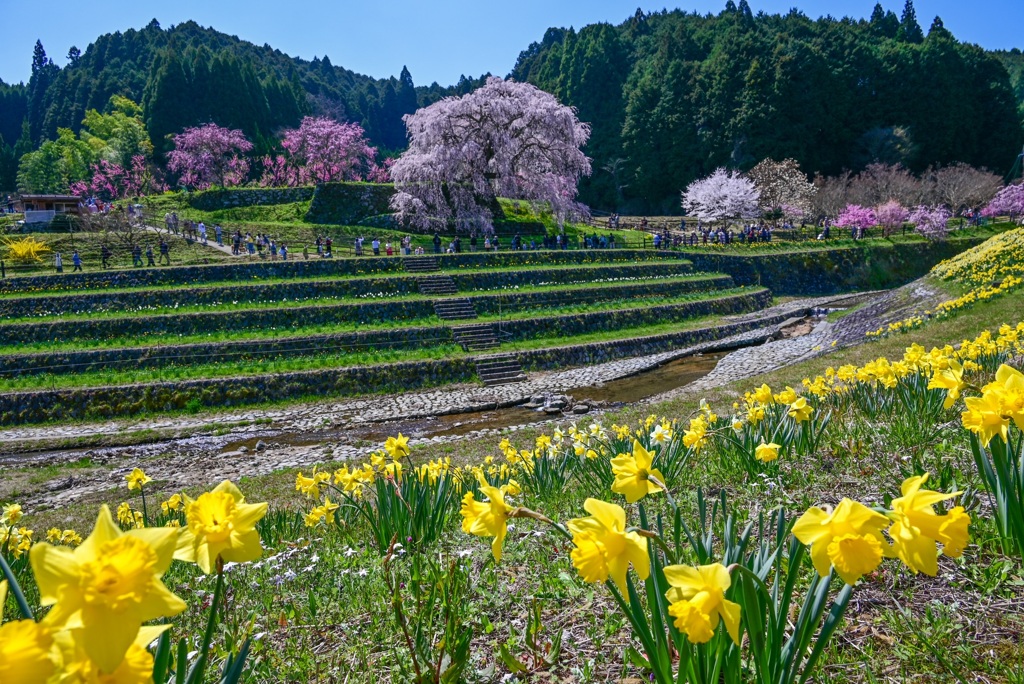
x=349, y=203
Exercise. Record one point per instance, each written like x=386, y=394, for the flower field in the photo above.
x=751, y=542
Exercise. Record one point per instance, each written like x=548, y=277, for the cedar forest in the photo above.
x=670, y=96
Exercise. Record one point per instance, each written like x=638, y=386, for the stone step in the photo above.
x=499, y=370
x=454, y=309
x=421, y=264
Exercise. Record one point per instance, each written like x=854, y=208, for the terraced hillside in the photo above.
x=123, y=343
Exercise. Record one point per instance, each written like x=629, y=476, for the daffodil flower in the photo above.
x=917, y=527
x=697, y=601
x=220, y=525
x=849, y=539
x=633, y=473
x=766, y=453
x=486, y=519
x=604, y=549
x=108, y=586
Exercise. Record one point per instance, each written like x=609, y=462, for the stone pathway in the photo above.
x=211, y=239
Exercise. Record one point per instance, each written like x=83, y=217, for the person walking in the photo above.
x=202, y=232
x=76, y=261
x=58, y=263
x=283, y=248
x=105, y=256
x=375, y=245
x=165, y=252
x=219, y=232
x=149, y=256
x=437, y=243
x=136, y=256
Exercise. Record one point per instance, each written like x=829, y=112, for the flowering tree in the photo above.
x=324, y=150
x=932, y=222
x=278, y=172
x=112, y=181
x=381, y=173
x=505, y=139
x=782, y=187
x=891, y=216
x=855, y=216
x=1008, y=202
x=209, y=155
x=722, y=196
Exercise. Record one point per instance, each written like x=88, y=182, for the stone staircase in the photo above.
x=501, y=369
x=475, y=337
x=436, y=285
x=421, y=264
x=454, y=309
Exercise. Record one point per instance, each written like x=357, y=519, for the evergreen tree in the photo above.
x=909, y=31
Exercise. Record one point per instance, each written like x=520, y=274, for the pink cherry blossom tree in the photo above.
x=210, y=155
x=890, y=216
x=110, y=180
x=722, y=196
x=1008, y=202
x=505, y=139
x=324, y=150
x=932, y=222
x=856, y=218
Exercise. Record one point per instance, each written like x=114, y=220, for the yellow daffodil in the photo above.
x=800, y=410
x=135, y=668
x=125, y=516
x=849, y=539
x=511, y=488
x=950, y=379
x=397, y=447
x=220, y=524
x=604, y=549
x=108, y=586
x=633, y=472
x=173, y=504
x=697, y=601
x=70, y=537
x=984, y=417
x=486, y=518
x=310, y=486
x=12, y=514
x=53, y=535
x=136, y=479
x=916, y=527
x=766, y=453
x=786, y=396
x=28, y=653
x=763, y=395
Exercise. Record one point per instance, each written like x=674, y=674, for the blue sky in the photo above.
x=439, y=41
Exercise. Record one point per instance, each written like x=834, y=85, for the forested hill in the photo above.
x=672, y=95
x=188, y=74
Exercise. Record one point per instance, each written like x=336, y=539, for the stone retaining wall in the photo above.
x=348, y=203
x=139, y=300
x=111, y=402
x=314, y=268
x=378, y=311
x=214, y=200
x=829, y=271
x=399, y=338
